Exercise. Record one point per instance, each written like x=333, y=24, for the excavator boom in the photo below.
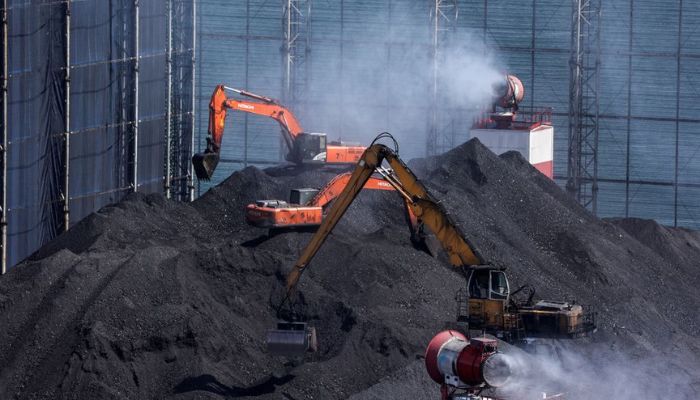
x=295, y=341
x=421, y=203
x=488, y=291
x=205, y=163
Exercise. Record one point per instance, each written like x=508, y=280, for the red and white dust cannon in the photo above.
x=465, y=366
x=510, y=126
x=510, y=92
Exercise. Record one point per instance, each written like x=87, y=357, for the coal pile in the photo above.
x=150, y=298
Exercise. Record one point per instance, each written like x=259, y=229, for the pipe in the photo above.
x=169, y=95
x=66, y=150
x=136, y=97
x=5, y=73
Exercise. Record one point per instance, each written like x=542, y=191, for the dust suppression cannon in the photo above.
x=510, y=92
x=463, y=367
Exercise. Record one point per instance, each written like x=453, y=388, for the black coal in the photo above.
x=151, y=298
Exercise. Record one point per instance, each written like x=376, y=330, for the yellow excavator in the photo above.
x=486, y=305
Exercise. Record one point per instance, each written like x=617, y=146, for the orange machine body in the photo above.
x=343, y=154
x=280, y=214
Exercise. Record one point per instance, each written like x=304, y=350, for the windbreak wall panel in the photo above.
x=652, y=202
x=689, y=207
x=369, y=69
x=611, y=199
x=102, y=86
x=34, y=126
x=612, y=149
x=652, y=151
x=656, y=25
x=689, y=154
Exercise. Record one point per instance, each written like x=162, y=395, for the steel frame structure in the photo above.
x=3, y=151
x=180, y=98
x=296, y=51
x=443, y=19
x=584, y=103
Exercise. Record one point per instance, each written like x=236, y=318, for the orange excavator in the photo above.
x=303, y=147
x=487, y=305
x=306, y=207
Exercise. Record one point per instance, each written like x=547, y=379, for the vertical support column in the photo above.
x=196, y=38
x=66, y=123
x=137, y=55
x=533, y=47
x=629, y=111
x=443, y=16
x=5, y=77
x=295, y=51
x=190, y=175
x=486, y=23
x=582, y=168
x=287, y=50
x=168, y=98
x=678, y=111
x=431, y=145
x=387, y=72
x=575, y=82
x=341, y=72
x=247, y=83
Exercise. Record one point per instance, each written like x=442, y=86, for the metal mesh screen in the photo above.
x=104, y=133
x=649, y=150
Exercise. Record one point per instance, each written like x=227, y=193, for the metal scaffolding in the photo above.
x=135, y=128
x=443, y=19
x=180, y=71
x=296, y=51
x=3, y=150
x=584, y=104
x=168, y=98
x=66, y=119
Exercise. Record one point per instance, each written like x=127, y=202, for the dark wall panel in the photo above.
x=102, y=111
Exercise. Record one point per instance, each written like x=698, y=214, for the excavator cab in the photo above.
x=488, y=283
x=308, y=148
x=490, y=309
x=488, y=294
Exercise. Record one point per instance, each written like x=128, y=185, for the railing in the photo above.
x=523, y=118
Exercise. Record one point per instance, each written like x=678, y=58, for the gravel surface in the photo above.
x=150, y=298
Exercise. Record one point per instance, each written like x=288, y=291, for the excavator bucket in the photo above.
x=291, y=339
x=205, y=164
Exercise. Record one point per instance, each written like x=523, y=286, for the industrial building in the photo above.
x=105, y=98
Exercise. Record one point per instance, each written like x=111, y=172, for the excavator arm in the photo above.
x=205, y=163
x=335, y=187
x=421, y=203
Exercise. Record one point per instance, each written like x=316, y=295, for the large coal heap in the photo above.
x=150, y=298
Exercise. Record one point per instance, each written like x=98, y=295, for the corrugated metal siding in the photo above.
x=383, y=43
